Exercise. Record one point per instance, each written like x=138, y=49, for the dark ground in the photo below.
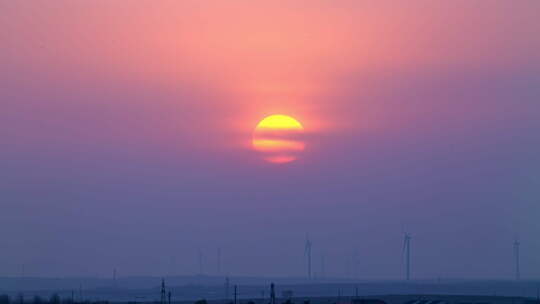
x=147, y=289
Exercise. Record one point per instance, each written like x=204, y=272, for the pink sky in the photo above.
x=417, y=113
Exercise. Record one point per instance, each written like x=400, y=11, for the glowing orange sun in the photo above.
x=278, y=138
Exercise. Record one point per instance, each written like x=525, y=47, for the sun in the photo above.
x=279, y=138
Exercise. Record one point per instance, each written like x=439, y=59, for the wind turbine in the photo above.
x=516, y=257
x=406, y=253
x=307, y=253
x=323, y=270
x=200, y=260
x=219, y=261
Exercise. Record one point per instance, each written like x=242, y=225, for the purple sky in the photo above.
x=124, y=132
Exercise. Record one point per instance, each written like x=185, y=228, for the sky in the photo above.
x=126, y=129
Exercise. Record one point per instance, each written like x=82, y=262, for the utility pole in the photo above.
x=169, y=295
x=163, y=298
x=272, y=294
x=235, y=294
x=227, y=286
x=80, y=292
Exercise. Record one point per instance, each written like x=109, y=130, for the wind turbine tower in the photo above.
x=323, y=270
x=407, y=254
x=219, y=261
x=516, y=257
x=200, y=260
x=307, y=253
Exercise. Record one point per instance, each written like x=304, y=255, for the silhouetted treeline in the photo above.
x=53, y=299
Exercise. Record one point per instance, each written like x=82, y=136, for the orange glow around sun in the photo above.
x=277, y=138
